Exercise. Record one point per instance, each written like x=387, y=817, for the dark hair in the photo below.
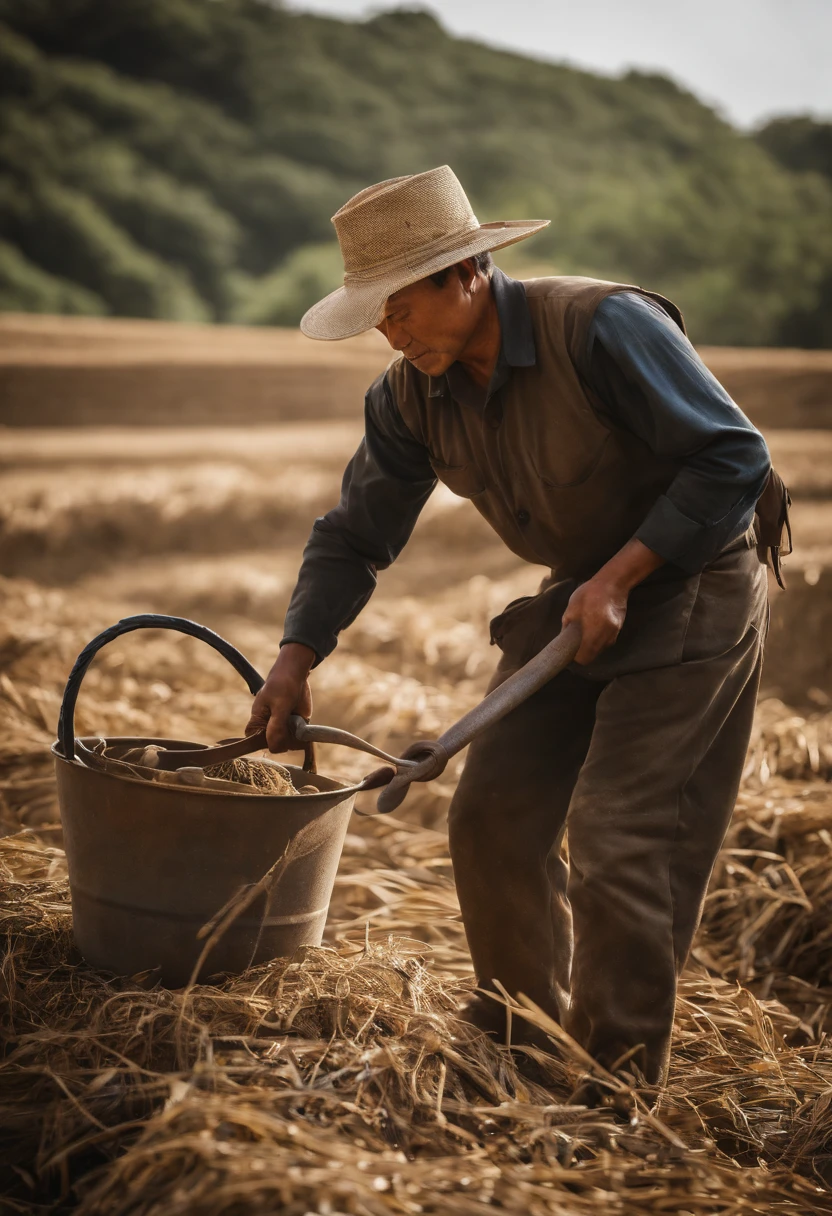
x=485, y=264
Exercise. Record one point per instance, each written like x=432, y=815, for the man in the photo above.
x=581, y=423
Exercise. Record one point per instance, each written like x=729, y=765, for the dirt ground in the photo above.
x=79, y=371
x=208, y=522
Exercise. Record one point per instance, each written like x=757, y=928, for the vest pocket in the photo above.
x=464, y=480
x=560, y=470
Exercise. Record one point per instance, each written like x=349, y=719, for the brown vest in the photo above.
x=560, y=487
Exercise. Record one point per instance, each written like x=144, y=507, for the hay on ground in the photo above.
x=341, y=1081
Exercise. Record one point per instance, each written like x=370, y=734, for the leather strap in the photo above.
x=96, y=759
x=204, y=757
x=230, y=749
x=773, y=524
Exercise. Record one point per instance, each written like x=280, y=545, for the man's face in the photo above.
x=432, y=326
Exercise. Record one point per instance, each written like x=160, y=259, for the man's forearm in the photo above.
x=334, y=584
x=631, y=565
x=385, y=486
x=296, y=660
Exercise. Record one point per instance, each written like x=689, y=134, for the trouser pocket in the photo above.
x=528, y=624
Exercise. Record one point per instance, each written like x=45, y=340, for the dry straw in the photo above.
x=340, y=1081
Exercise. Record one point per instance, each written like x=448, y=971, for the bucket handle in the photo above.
x=145, y=620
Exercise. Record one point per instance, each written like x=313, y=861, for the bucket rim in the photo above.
x=337, y=786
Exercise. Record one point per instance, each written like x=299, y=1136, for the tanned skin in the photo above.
x=434, y=327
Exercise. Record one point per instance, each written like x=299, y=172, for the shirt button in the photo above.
x=523, y=516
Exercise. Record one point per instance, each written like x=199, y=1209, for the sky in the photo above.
x=750, y=58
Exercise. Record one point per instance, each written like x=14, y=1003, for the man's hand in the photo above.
x=600, y=604
x=285, y=692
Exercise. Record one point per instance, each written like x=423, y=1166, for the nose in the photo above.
x=395, y=335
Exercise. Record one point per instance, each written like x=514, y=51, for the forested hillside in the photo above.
x=181, y=159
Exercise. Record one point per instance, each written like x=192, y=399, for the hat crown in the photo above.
x=392, y=223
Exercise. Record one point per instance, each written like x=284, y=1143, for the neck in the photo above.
x=479, y=355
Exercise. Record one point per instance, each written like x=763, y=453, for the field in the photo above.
x=341, y=1082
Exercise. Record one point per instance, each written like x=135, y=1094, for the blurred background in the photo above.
x=181, y=159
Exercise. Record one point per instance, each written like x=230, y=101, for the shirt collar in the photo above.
x=515, y=320
x=517, y=348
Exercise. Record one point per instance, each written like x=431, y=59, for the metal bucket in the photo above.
x=150, y=864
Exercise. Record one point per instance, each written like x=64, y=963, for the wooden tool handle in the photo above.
x=545, y=665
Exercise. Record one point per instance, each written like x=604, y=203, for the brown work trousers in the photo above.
x=636, y=759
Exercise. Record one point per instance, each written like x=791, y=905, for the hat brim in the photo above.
x=358, y=306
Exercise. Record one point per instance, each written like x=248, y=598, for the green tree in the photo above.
x=282, y=297
x=192, y=151
x=800, y=142
x=26, y=288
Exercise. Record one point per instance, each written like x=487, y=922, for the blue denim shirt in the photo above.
x=648, y=379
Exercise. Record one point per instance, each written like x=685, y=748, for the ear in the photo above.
x=467, y=271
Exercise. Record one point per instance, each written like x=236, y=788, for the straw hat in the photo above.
x=395, y=233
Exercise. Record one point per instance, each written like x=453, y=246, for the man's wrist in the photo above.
x=295, y=659
x=630, y=566
x=619, y=581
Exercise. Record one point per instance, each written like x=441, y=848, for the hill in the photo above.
x=180, y=159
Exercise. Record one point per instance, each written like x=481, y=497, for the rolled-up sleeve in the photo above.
x=652, y=383
x=384, y=488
